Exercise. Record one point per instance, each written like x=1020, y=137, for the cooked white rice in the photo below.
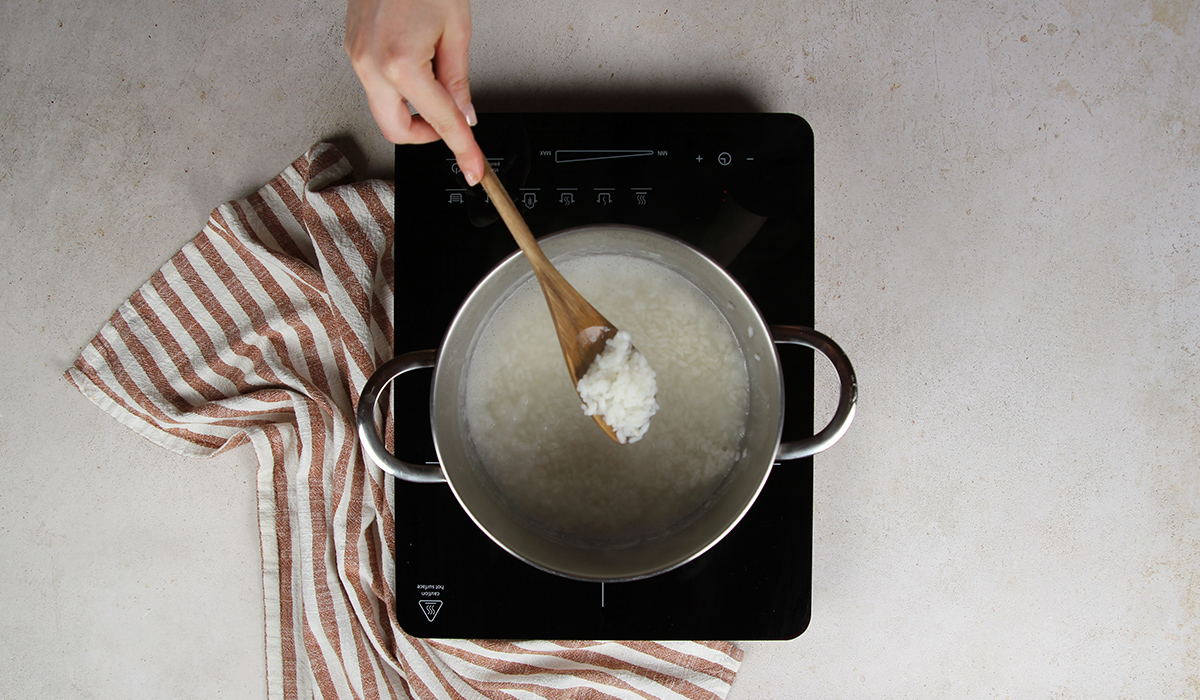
x=619, y=387
x=552, y=463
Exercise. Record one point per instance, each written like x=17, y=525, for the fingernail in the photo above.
x=472, y=180
x=469, y=113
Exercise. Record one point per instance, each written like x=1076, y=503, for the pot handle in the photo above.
x=368, y=437
x=799, y=335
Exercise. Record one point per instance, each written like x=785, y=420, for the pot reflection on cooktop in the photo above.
x=738, y=187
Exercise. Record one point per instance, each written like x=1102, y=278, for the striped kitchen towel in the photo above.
x=262, y=329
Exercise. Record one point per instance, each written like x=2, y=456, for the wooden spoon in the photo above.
x=582, y=331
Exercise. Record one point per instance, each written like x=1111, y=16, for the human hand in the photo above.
x=414, y=52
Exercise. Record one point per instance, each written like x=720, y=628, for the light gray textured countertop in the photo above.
x=1007, y=246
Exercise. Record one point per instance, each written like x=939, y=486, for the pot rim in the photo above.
x=549, y=242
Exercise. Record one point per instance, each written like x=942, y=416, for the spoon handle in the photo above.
x=515, y=222
x=582, y=331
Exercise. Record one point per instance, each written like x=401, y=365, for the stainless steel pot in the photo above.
x=470, y=481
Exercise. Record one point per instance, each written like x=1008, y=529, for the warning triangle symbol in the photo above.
x=430, y=608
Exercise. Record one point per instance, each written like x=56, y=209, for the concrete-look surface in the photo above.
x=1007, y=246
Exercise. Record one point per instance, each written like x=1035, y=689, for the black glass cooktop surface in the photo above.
x=738, y=187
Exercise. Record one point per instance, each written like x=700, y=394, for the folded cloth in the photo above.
x=262, y=329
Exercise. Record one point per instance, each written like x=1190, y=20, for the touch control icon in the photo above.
x=530, y=200
x=724, y=158
x=604, y=198
x=566, y=199
x=430, y=607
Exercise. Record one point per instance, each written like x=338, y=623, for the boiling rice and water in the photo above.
x=551, y=463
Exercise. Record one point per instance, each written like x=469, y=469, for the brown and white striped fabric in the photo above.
x=261, y=330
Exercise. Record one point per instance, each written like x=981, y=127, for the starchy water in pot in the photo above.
x=552, y=464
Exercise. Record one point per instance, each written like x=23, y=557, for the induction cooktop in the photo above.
x=737, y=186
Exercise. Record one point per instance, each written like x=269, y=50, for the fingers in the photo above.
x=452, y=119
x=439, y=111
x=450, y=64
x=415, y=52
x=439, y=118
x=392, y=114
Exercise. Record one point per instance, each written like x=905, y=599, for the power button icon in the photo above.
x=724, y=158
